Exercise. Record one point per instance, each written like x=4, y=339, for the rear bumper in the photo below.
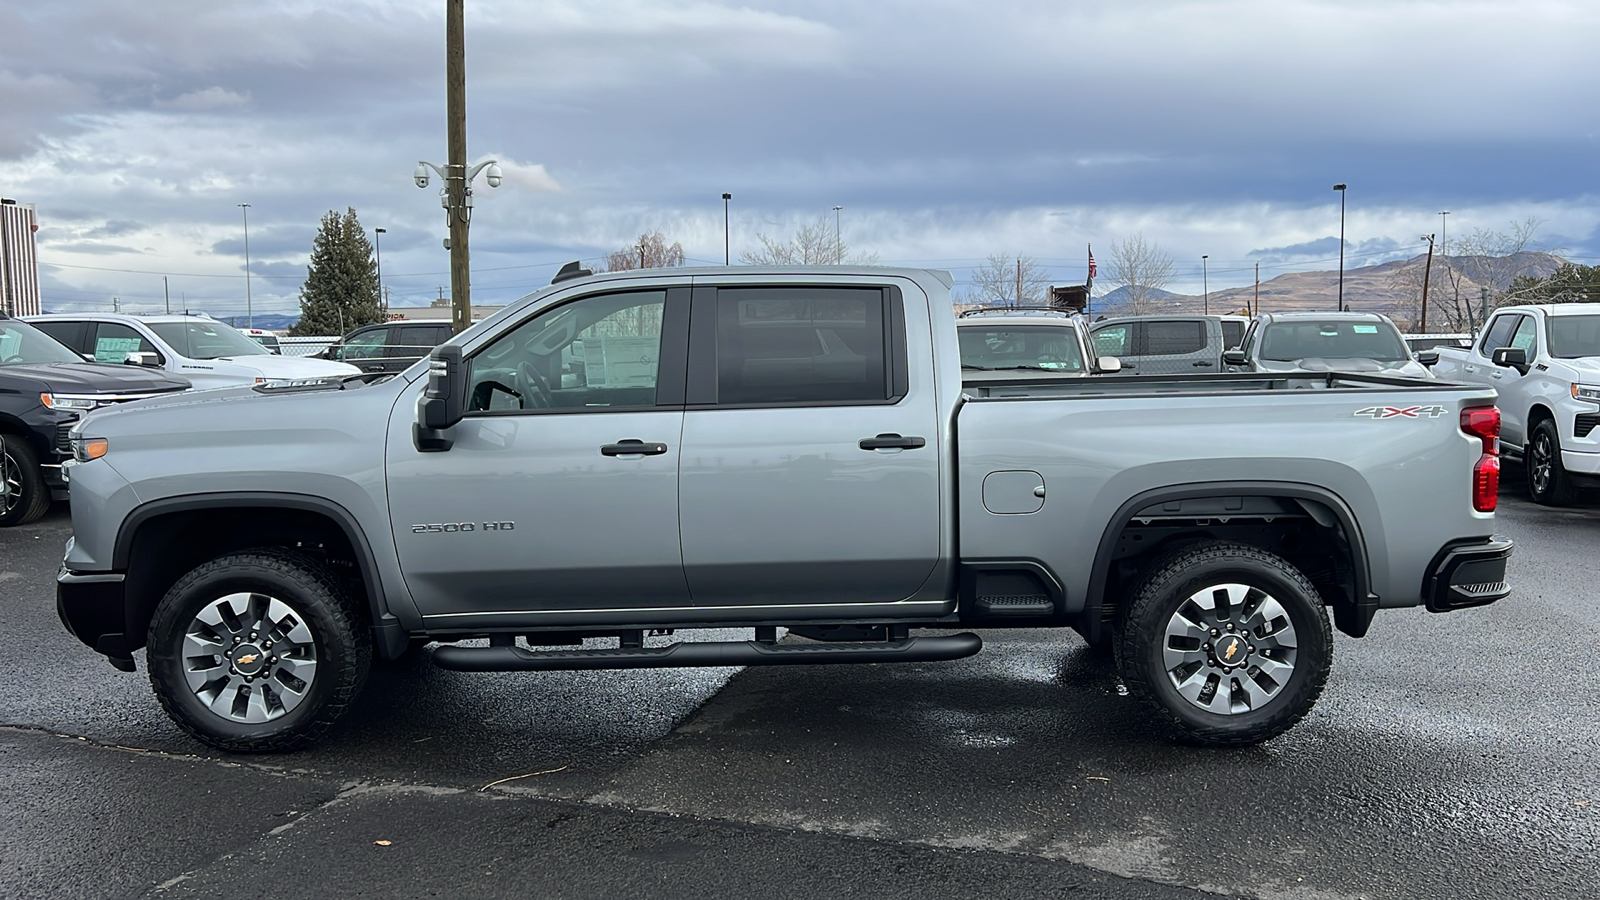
x=1467, y=574
x=91, y=607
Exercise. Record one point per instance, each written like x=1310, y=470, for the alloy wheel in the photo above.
x=1542, y=459
x=249, y=657
x=1229, y=648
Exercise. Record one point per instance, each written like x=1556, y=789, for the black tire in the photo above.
x=24, y=496
x=1548, y=481
x=1141, y=644
x=340, y=642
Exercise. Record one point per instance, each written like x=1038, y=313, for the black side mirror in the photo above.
x=1234, y=358
x=1511, y=358
x=1428, y=357
x=444, y=401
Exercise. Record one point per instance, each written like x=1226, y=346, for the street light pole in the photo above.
x=249, y=311
x=1340, y=188
x=1205, y=283
x=838, y=242
x=1444, y=233
x=725, y=257
x=383, y=300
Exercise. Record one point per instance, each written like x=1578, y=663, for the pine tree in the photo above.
x=341, y=289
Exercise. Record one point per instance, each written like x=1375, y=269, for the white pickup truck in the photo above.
x=1545, y=362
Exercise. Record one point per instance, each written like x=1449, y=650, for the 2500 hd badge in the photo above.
x=456, y=527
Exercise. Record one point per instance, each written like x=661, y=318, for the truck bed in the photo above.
x=1035, y=388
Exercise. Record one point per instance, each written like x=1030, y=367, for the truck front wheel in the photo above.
x=23, y=494
x=1228, y=642
x=257, y=651
x=1548, y=481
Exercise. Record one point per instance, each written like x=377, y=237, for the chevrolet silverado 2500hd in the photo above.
x=766, y=448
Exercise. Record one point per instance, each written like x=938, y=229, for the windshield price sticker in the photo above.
x=1399, y=412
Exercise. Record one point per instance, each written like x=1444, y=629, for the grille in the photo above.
x=1585, y=423
x=63, y=437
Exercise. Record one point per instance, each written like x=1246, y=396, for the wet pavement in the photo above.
x=1451, y=756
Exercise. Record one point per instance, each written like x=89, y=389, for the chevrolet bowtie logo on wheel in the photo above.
x=248, y=658
x=1396, y=412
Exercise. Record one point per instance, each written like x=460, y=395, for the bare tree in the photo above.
x=1142, y=270
x=817, y=244
x=650, y=251
x=1478, y=274
x=1009, y=280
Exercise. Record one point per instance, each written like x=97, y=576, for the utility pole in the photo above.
x=725, y=257
x=1018, y=301
x=1258, y=291
x=455, y=67
x=1427, y=270
x=838, y=242
x=166, y=291
x=1205, y=284
x=641, y=253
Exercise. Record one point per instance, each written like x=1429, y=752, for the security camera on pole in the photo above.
x=456, y=195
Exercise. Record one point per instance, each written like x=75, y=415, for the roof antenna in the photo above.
x=570, y=271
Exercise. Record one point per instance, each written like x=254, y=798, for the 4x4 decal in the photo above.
x=1397, y=412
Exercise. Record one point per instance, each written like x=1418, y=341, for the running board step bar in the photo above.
x=708, y=653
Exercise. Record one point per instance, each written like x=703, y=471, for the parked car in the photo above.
x=44, y=389
x=1004, y=342
x=388, y=347
x=1420, y=342
x=1328, y=342
x=1233, y=329
x=767, y=447
x=199, y=348
x=265, y=338
x=1161, y=344
x=1545, y=363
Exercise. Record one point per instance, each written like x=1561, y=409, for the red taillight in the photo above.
x=1486, y=483
x=1484, y=422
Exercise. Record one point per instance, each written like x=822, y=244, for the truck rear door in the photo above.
x=810, y=469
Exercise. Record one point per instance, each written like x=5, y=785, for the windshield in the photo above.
x=1572, y=337
x=999, y=346
x=206, y=340
x=22, y=344
x=1334, y=339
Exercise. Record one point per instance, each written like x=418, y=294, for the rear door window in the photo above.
x=800, y=345
x=1173, y=338
x=1499, y=333
x=70, y=333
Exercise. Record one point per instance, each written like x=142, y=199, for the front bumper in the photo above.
x=1467, y=574
x=91, y=607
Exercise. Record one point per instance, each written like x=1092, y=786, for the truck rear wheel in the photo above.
x=1228, y=642
x=257, y=651
x=23, y=494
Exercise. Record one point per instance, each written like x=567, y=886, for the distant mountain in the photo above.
x=1392, y=288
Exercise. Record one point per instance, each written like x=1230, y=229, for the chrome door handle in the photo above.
x=633, y=447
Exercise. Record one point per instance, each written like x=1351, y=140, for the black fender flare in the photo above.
x=382, y=620
x=1352, y=621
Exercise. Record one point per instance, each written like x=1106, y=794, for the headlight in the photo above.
x=68, y=401
x=1589, y=392
x=85, y=449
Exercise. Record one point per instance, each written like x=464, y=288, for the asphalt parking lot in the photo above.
x=1451, y=756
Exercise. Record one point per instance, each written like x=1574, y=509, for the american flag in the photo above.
x=1092, y=270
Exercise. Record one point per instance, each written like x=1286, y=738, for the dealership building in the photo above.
x=19, y=267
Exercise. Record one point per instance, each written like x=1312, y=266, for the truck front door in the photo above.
x=811, y=455
x=559, y=493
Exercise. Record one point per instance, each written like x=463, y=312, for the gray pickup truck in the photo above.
x=764, y=448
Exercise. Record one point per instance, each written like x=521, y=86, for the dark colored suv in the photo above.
x=389, y=347
x=44, y=389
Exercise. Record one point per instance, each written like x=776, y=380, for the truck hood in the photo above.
x=94, y=378
x=1586, y=367
x=1404, y=368
x=275, y=367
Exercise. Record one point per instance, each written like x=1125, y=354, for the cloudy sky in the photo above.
x=947, y=130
